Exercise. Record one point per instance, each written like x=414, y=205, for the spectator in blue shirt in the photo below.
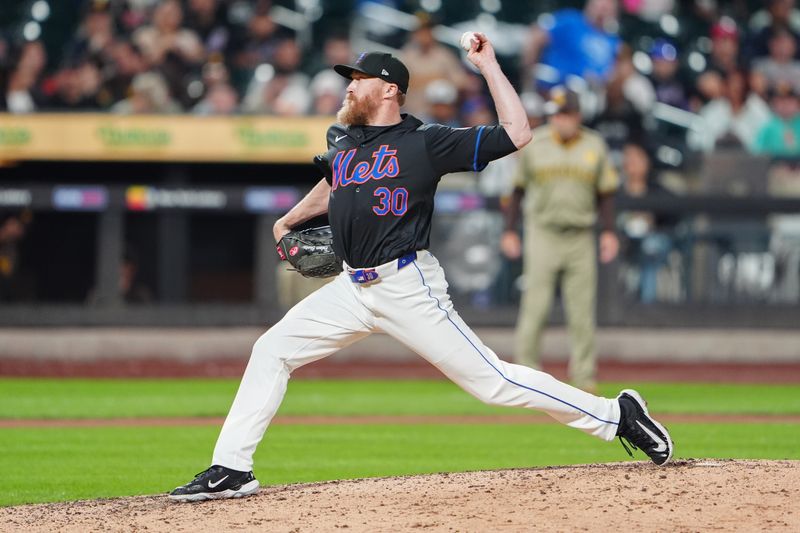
x=573, y=43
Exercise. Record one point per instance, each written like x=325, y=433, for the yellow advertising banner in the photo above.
x=104, y=137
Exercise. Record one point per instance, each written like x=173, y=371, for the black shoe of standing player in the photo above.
x=216, y=483
x=640, y=430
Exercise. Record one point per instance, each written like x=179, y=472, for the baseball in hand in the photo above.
x=467, y=38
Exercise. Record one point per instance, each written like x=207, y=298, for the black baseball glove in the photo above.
x=310, y=252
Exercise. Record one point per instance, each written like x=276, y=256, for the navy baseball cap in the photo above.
x=378, y=65
x=664, y=50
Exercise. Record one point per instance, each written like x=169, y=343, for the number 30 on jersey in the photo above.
x=394, y=201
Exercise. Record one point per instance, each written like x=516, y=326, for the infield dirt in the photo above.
x=693, y=495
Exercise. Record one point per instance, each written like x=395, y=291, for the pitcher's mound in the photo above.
x=694, y=495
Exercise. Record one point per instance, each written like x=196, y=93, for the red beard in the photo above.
x=356, y=111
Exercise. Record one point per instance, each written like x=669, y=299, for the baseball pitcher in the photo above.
x=380, y=175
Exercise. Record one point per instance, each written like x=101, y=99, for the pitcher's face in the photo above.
x=362, y=99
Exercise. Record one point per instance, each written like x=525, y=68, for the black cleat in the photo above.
x=640, y=430
x=216, y=483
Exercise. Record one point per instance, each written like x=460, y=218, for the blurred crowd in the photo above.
x=729, y=76
x=730, y=82
x=658, y=79
x=207, y=57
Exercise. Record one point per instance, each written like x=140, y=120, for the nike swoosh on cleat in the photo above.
x=662, y=446
x=340, y=137
x=212, y=485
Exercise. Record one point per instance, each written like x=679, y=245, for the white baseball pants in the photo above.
x=412, y=305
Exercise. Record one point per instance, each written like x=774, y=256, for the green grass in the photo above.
x=47, y=398
x=54, y=464
x=41, y=465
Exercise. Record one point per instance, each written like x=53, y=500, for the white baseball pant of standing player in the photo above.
x=411, y=304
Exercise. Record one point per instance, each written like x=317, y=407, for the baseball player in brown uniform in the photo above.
x=566, y=179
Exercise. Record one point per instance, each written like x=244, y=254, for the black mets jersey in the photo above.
x=383, y=179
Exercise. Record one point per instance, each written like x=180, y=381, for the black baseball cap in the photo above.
x=378, y=65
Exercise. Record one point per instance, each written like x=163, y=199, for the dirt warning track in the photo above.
x=382, y=419
x=375, y=368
